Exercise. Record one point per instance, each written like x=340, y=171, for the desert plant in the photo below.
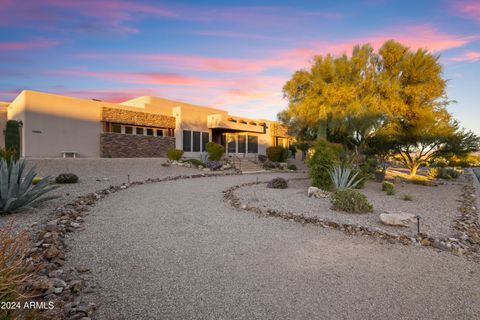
x=16, y=188
x=350, y=200
x=277, y=183
x=324, y=156
x=215, y=151
x=14, y=267
x=214, y=165
x=203, y=157
x=12, y=137
x=421, y=180
x=66, y=178
x=388, y=187
x=277, y=154
x=343, y=178
x=8, y=155
x=262, y=158
x=36, y=180
x=292, y=167
x=174, y=154
x=407, y=197
x=195, y=162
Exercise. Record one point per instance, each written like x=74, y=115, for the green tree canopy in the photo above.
x=390, y=100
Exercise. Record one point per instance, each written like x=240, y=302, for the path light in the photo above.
x=418, y=223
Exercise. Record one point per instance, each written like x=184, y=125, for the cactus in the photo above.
x=12, y=137
x=17, y=190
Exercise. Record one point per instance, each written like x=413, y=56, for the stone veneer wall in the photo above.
x=117, y=145
x=137, y=118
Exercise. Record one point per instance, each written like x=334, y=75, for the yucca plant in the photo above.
x=342, y=178
x=17, y=190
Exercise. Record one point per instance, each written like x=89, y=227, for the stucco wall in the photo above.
x=117, y=145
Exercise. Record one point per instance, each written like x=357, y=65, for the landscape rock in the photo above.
x=400, y=219
x=317, y=193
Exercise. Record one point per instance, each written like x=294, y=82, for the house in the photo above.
x=54, y=126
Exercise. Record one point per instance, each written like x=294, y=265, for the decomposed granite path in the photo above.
x=175, y=250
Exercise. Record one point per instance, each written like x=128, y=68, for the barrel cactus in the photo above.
x=17, y=190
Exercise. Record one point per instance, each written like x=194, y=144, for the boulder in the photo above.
x=317, y=193
x=400, y=219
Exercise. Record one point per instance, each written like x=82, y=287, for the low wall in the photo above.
x=116, y=145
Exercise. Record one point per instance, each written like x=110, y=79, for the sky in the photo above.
x=234, y=55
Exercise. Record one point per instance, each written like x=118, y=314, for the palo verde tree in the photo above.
x=392, y=101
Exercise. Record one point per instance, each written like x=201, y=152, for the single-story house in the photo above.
x=54, y=126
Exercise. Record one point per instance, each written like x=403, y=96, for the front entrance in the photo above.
x=240, y=143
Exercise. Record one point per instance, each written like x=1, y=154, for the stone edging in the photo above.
x=465, y=245
x=50, y=281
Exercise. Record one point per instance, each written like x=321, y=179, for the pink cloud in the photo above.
x=38, y=43
x=467, y=56
x=469, y=9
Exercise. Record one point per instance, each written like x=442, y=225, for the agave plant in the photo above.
x=17, y=190
x=342, y=178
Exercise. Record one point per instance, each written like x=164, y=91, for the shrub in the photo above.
x=443, y=173
x=174, y=154
x=12, y=137
x=195, y=162
x=324, y=156
x=349, y=200
x=277, y=154
x=419, y=180
x=215, y=151
x=214, y=165
x=407, y=197
x=14, y=268
x=66, y=178
x=388, y=187
x=203, y=157
x=8, y=155
x=36, y=180
x=277, y=183
x=262, y=158
x=16, y=188
x=343, y=178
x=292, y=167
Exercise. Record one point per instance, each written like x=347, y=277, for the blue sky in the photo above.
x=232, y=55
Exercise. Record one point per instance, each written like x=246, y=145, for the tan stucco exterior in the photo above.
x=53, y=124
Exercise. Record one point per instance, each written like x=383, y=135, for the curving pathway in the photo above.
x=175, y=250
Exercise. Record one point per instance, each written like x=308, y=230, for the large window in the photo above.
x=252, y=144
x=187, y=140
x=242, y=143
x=231, y=143
x=196, y=141
x=205, y=140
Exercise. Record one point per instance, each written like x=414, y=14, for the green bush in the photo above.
x=174, y=154
x=195, y=162
x=277, y=183
x=12, y=137
x=215, y=151
x=349, y=200
x=277, y=154
x=66, y=178
x=407, y=197
x=292, y=167
x=324, y=156
x=17, y=190
x=443, y=173
x=388, y=187
x=8, y=155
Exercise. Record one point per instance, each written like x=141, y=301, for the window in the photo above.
x=187, y=140
x=280, y=142
x=252, y=144
x=159, y=132
x=116, y=128
x=242, y=143
x=139, y=131
x=205, y=140
x=196, y=141
x=149, y=132
x=231, y=143
x=128, y=130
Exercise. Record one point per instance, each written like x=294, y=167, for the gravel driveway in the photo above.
x=175, y=250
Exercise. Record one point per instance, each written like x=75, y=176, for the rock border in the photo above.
x=50, y=282
x=467, y=244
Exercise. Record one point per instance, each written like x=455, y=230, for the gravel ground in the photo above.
x=437, y=206
x=175, y=250
x=108, y=171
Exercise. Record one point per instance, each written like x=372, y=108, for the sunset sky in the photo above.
x=232, y=55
